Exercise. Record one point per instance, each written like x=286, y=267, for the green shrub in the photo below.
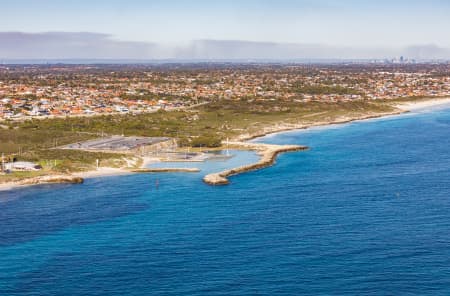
x=210, y=141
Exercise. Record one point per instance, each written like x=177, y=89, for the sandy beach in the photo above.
x=108, y=171
x=400, y=109
x=8, y=186
x=284, y=127
x=102, y=172
x=78, y=177
x=425, y=104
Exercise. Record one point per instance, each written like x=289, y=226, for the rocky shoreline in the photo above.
x=48, y=179
x=78, y=178
x=268, y=154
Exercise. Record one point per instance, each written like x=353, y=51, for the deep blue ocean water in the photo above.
x=366, y=211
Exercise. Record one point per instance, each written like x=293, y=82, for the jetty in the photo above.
x=268, y=153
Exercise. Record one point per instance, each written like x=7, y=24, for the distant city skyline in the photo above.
x=285, y=29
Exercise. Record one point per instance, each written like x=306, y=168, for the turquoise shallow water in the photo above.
x=365, y=211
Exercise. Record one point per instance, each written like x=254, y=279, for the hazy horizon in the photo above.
x=178, y=29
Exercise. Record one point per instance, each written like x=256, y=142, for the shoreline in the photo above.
x=241, y=142
x=79, y=177
x=423, y=104
x=301, y=126
x=268, y=154
x=400, y=108
x=41, y=180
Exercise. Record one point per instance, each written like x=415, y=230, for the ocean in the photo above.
x=365, y=211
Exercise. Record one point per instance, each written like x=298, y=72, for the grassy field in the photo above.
x=205, y=126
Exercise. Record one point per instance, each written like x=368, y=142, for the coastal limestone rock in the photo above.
x=268, y=155
x=52, y=179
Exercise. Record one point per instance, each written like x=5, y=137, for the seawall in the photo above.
x=268, y=154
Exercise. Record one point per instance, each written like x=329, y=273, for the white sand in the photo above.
x=105, y=171
x=101, y=172
x=423, y=104
x=146, y=161
x=8, y=186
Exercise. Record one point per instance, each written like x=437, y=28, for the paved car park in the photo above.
x=116, y=143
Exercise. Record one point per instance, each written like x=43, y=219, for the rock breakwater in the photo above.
x=268, y=154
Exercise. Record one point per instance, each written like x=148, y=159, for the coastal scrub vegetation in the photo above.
x=204, y=126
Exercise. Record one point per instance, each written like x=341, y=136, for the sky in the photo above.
x=200, y=29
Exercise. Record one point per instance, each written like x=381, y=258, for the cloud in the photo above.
x=86, y=45
x=60, y=45
x=235, y=49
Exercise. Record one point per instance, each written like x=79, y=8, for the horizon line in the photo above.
x=131, y=61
